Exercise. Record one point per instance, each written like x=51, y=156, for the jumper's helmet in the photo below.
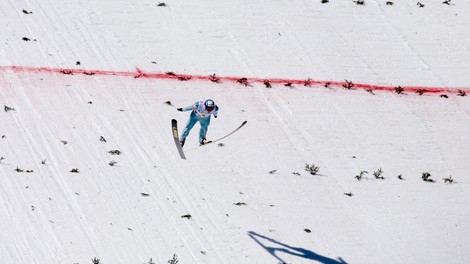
x=209, y=104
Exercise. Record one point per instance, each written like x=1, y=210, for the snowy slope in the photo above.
x=250, y=199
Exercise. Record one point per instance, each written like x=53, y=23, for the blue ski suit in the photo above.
x=201, y=115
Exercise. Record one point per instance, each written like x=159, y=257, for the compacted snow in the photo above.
x=89, y=169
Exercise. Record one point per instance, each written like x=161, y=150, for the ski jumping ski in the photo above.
x=174, y=125
x=174, y=128
x=236, y=129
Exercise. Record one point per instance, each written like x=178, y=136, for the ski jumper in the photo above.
x=198, y=114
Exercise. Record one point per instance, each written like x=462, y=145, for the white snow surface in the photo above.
x=132, y=212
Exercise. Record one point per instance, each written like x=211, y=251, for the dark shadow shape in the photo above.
x=294, y=251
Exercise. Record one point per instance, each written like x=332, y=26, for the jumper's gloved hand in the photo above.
x=180, y=109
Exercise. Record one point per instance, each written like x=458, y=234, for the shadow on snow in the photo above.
x=274, y=247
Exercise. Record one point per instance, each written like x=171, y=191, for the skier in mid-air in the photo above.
x=201, y=112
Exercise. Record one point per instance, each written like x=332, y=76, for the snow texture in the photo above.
x=89, y=169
